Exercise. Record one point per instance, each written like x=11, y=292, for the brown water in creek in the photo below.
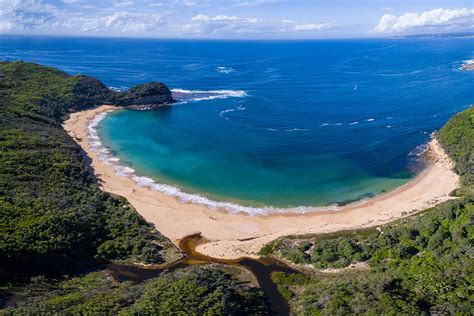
x=261, y=268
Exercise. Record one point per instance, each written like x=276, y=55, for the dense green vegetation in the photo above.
x=93, y=293
x=53, y=216
x=55, y=221
x=457, y=138
x=195, y=290
x=423, y=264
x=198, y=291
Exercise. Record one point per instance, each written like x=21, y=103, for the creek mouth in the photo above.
x=261, y=268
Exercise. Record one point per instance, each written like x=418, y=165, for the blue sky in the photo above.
x=236, y=19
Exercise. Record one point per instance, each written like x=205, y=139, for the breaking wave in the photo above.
x=225, y=70
x=223, y=112
x=419, y=150
x=183, y=95
x=466, y=64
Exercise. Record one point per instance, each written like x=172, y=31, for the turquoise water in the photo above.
x=283, y=124
x=249, y=167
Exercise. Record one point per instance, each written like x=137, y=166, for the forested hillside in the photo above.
x=54, y=217
x=57, y=228
x=423, y=264
x=457, y=138
x=55, y=221
x=196, y=290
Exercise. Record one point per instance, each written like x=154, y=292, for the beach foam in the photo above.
x=106, y=157
x=234, y=236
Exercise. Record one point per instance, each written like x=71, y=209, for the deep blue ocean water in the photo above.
x=275, y=123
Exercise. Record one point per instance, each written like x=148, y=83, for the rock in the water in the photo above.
x=145, y=96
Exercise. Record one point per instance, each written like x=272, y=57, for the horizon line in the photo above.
x=401, y=36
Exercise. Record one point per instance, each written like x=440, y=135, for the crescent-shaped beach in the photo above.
x=236, y=235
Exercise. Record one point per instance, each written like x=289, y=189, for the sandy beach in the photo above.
x=236, y=235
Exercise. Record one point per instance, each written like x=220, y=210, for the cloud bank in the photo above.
x=208, y=19
x=222, y=24
x=437, y=20
x=147, y=18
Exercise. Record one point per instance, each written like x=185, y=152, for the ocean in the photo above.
x=270, y=126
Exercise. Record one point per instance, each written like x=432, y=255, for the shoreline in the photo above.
x=234, y=235
x=194, y=198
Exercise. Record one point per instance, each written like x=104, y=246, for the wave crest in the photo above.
x=184, y=95
x=238, y=108
x=225, y=70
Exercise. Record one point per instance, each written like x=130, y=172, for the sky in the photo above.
x=235, y=19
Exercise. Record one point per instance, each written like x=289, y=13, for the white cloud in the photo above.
x=200, y=17
x=123, y=4
x=122, y=22
x=307, y=26
x=33, y=16
x=254, y=3
x=442, y=19
x=126, y=17
x=6, y=26
x=26, y=14
x=187, y=3
x=312, y=26
x=220, y=18
x=223, y=24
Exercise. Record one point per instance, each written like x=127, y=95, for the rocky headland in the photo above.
x=145, y=96
x=89, y=91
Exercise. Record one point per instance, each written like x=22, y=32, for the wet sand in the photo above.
x=232, y=236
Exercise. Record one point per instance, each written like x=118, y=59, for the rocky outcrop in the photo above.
x=145, y=96
x=89, y=92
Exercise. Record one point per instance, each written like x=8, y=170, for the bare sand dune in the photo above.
x=237, y=235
